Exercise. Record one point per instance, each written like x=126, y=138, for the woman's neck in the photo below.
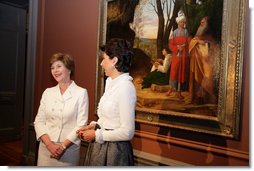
x=64, y=85
x=116, y=74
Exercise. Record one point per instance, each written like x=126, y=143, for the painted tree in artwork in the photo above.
x=194, y=10
x=166, y=11
x=139, y=23
x=119, y=14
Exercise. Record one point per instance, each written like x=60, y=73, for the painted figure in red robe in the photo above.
x=178, y=44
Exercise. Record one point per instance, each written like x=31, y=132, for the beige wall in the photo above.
x=71, y=26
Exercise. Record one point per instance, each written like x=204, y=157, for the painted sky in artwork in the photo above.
x=151, y=22
x=147, y=20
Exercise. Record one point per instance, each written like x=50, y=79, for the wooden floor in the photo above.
x=11, y=153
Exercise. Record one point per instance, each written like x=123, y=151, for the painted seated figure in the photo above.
x=159, y=72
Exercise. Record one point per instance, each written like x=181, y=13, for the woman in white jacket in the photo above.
x=63, y=110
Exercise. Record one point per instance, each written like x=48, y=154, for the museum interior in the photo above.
x=168, y=130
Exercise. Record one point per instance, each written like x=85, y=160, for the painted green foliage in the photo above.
x=211, y=8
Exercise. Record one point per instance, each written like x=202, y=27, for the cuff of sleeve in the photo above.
x=74, y=139
x=98, y=136
x=93, y=122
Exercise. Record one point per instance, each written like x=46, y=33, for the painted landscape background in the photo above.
x=148, y=24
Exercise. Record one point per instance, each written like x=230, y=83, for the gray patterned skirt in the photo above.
x=117, y=153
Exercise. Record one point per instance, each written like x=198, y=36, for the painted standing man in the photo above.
x=203, y=51
x=178, y=44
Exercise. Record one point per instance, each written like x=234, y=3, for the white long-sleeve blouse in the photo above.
x=116, y=110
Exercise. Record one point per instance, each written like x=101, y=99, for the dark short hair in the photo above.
x=65, y=58
x=121, y=49
x=167, y=49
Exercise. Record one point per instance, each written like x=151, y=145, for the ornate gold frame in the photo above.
x=227, y=122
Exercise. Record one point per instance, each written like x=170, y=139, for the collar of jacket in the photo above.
x=67, y=94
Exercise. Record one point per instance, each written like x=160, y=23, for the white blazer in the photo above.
x=60, y=116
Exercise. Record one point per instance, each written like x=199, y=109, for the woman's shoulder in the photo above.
x=78, y=89
x=51, y=89
x=127, y=85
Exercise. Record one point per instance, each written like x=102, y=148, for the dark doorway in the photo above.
x=13, y=36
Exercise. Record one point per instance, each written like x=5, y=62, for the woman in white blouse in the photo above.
x=110, y=136
x=63, y=110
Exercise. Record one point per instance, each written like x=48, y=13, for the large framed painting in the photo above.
x=188, y=60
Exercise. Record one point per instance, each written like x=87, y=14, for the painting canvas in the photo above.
x=188, y=90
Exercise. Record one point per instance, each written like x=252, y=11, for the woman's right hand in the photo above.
x=56, y=150
x=88, y=135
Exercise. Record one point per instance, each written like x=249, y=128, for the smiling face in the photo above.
x=60, y=73
x=108, y=64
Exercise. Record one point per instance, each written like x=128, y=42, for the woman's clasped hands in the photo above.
x=56, y=150
x=87, y=133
